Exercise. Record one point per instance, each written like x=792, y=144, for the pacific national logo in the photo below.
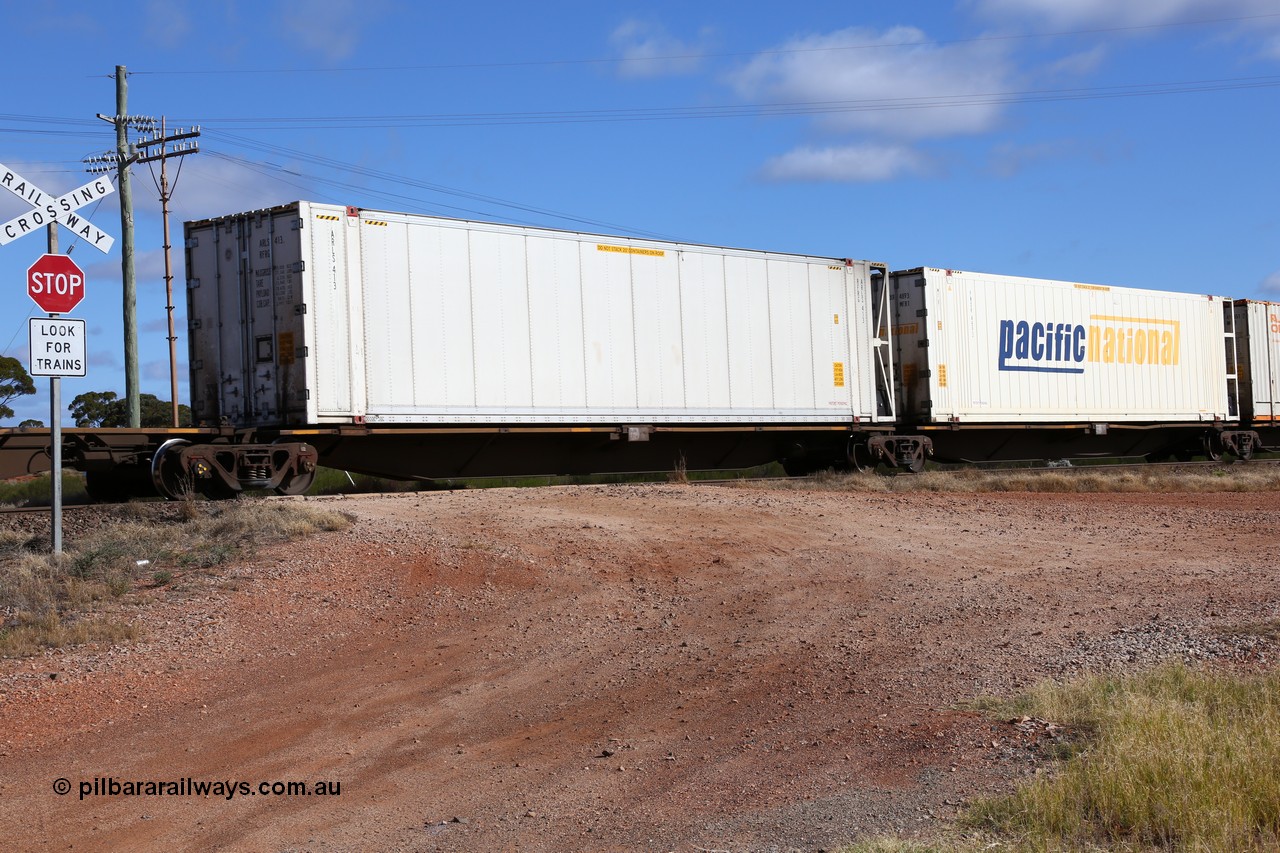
x=1067, y=347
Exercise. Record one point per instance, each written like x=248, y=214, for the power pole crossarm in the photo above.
x=123, y=157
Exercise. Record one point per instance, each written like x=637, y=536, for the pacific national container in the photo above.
x=319, y=314
x=974, y=348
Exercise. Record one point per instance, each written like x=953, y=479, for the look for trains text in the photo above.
x=57, y=356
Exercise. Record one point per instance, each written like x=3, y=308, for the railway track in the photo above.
x=1070, y=470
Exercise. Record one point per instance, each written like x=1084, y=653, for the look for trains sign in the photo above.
x=48, y=209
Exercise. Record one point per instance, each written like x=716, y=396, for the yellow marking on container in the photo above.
x=837, y=369
x=939, y=325
x=374, y=222
x=326, y=217
x=942, y=376
x=906, y=329
x=1090, y=287
x=631, y=250
x=837, y=319
x=1112, y=319
x=285, y=354
x=1131, y=344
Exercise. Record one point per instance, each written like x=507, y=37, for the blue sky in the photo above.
x=1120, y=143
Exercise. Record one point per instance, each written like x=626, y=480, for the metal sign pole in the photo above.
x=55, y=435
x=55, y=453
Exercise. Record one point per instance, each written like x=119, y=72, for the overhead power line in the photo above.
x=784, y=108
x=428, y=186
x=684, y=57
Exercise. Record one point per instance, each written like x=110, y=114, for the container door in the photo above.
x=910, y=356
x=261, y=388
x=1267, y=373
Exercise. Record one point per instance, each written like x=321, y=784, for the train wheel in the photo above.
x=1213, y=447
x=915, y=464
x=860, y=456
x=171, y=480
x=1246, y=449
x=296, y=484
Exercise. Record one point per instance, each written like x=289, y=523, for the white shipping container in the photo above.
x=1258, y=327
x=319, y=314
x=977, y=348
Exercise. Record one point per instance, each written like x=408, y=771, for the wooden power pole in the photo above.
x=162, y=139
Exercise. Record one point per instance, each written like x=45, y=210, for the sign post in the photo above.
x=57, y=285
x=57, y=349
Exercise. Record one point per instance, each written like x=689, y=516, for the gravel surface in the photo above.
x=622, y=667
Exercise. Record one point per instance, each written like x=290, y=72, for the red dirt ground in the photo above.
x=621, y=667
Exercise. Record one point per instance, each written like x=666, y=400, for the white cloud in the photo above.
x=1271, y=47
x=1008, y=159
x=1078, y=64
x=213, y=186
x=331, y=28
x=1114, y=13
x=162, y=325
x=858, y=163
x=166, y=22
x=648, y=50
x=891, y=83
x=104, y=358
x=1271, y=284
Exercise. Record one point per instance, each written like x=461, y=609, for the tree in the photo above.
x=14, y=382
x=106, y=409
x=31, y=422
x=92, y=408
x=157, y=412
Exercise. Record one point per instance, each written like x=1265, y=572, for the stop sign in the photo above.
x=55, y=283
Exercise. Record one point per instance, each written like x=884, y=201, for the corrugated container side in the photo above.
x=977, y=348
x=470, y=322
x=1258, y=329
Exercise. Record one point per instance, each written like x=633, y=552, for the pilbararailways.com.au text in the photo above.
x=227, y=789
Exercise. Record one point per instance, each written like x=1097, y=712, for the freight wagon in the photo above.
x=996, y=367
x=420, y=347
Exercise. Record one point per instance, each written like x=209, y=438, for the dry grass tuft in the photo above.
x=31, y=634
x=1176, y=759
x=1235, y=478
x=47, y=602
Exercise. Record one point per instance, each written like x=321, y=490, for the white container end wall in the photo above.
x=1258, y=329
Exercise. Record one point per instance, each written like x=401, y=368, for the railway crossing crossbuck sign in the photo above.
x=48, y=209
x=55, y=283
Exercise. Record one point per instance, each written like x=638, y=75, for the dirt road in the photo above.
x=619, y=668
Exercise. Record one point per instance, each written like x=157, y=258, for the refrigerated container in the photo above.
x=980, y=348
x=314, y=313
